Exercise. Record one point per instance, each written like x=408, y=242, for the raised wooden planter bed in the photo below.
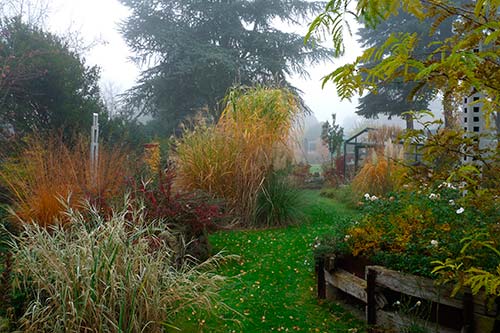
x=393, y=301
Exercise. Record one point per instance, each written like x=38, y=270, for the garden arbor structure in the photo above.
x=355, y=150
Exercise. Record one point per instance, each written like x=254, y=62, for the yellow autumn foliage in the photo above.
x=232, y=159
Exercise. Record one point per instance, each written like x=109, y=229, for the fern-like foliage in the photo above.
x=463, y=271
x=480, y=279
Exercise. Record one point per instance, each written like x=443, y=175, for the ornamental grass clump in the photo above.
x=47, y=170
x=375, y=175
x=278, y=203
x=232, y=159
x=111, y=274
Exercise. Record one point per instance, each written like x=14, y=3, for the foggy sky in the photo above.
x=97, y=21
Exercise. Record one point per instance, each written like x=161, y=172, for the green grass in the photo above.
x=275, y=288
x=316, y=168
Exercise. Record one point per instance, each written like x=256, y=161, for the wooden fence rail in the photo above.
x=380, y=287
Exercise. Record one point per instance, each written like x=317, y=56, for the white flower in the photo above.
x=418, y=303
x=367, y=196
x=451, y=202
x=373, y=198
x=346, y=237
x=434, y=243
x=433, y=196
x=397, y=303
x=460, y=210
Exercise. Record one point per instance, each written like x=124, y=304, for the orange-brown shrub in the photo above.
x=375, y=175
x=48, y=172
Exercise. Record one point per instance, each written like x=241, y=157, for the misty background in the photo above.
x=94, y=25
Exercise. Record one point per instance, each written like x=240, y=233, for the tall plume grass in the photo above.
x=232, y=159
x=47, y=170
x=377, y=176
x=107, y=275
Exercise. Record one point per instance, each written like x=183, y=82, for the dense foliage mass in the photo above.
x=465, y=61
x=197, y=50
x=395, y=97
x=232, y=159
x=110, y=274
x=44, y=85
x=48, y=171
x=442, y=216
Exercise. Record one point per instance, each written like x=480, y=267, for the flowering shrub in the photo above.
x=445, y=220
x=409, y=230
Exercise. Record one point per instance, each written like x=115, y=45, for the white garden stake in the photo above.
x=94, y=148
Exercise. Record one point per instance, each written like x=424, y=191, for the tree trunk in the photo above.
x=448, y=109
x=497, y=126
x=497, y=122
x=409, y=122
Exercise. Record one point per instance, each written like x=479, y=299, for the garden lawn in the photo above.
x=275, y=288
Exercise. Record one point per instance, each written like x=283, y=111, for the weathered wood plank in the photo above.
x=371, y=310
x=399, y=321
x=348, y=283
x=483, y=324
x=422, y=288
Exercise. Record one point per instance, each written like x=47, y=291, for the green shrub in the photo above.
x=278, y=203
x=409, y=230
x=107, y=275
x=342, y=194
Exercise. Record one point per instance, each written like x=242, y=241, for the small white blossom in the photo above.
x=434, y=243
x=346, y=237
x=460, y=210
x=432, y=196
x=373, y=198
x=367, y=196
x=397, y=303
x=451, y=202
x=418, y=303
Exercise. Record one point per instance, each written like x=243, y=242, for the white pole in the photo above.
x=94, y=148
